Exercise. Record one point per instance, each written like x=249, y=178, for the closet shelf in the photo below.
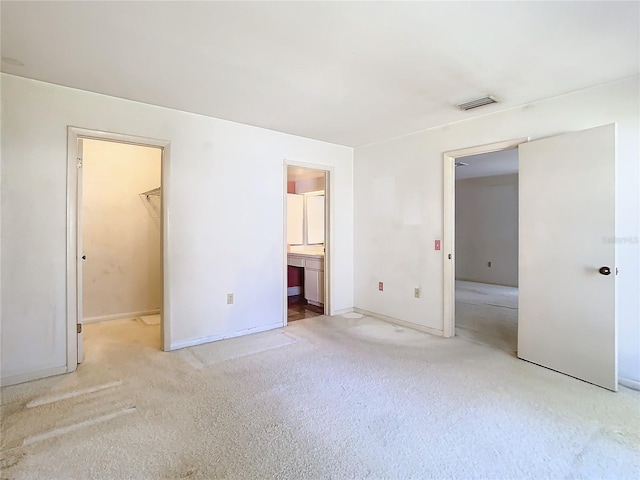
x=156, y=192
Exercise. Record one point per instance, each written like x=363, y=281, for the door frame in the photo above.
x=328, y=233
x=449, y=224
x=74, y=229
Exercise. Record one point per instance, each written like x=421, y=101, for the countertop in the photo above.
x=306, y=255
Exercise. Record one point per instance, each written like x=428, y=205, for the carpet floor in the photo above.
x=335, y=397
x=487, y=314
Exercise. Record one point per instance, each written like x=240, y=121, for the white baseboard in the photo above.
x=120, y=316
x=335, y=313
x=223, y=336
x=403, y=323
x=27, y=377
x=627, y=382
x=291, y=291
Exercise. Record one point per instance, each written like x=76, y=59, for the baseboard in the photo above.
x=335, y=313
x=291, y=291
x=120, y=316
x=627, y=382
x=403, y=323
x=27, y=377
x=222, y=336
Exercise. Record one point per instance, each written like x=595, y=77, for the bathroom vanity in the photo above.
x=313, y=265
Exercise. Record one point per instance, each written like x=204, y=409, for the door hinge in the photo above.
x=78, y=162
x=616, y=270
x=79, y=328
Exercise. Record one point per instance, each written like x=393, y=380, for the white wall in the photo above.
x=398, y=203
x=487, y=229
x=122, y=274
x=213, y=225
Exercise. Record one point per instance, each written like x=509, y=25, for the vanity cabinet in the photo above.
x=313, y=276
x=314, y=281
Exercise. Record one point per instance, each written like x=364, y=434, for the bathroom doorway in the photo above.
x=306, y=242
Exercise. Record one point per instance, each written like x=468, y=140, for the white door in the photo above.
x=295, y=216
x=80, y=254
x=567, y=273
x=315, y=219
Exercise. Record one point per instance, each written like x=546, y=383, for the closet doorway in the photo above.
x=306, y=238
x=116, y=235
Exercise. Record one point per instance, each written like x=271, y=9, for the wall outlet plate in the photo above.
x=416, y=292
x=229, y=298
x=380, y=286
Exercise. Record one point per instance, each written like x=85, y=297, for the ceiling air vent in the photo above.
x=480, y=102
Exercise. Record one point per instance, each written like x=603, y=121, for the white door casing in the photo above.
x=566, y=317
x=74, y=235
x=80, y=256
x=449, y=224
x=326, y=276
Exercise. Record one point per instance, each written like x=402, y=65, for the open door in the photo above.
x=80, y=256
x=567, y=272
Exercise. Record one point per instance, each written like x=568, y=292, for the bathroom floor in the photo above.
x=299, y=309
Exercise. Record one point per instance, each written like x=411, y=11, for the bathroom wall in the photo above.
x=309, y=185
x=121, y=230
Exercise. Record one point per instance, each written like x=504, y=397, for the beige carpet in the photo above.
x=324, y=398
x=487, y=314
x=154, y=319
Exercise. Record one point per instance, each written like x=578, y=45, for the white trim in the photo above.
x=221, y=336
x=629, y=383
x=449, y=224
x=27, y=377
x=328, y=233
x=342, y=312
x=292, y=291
x=397, y=321
x=72, y=248
x=73, y=134
x=120, y=316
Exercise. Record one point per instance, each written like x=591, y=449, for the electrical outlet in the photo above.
x=380, y=286
x=416, y=292
x=229, y=298
x=489, y=264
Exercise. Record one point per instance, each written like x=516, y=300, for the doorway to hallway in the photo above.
x=486, y=238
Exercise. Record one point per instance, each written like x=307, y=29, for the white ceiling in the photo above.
x=488, y=164
x=344, y=72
